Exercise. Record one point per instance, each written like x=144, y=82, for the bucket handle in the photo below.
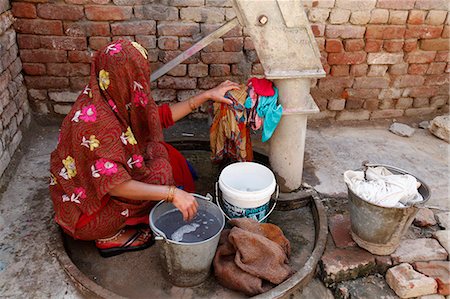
x=277, y=193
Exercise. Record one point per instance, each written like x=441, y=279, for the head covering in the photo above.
x=111, y=135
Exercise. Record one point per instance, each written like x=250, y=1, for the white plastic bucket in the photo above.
x=246, y=190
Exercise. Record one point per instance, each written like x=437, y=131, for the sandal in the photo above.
x=125, y=247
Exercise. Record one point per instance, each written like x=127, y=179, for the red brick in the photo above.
x=385, y=32
x=437, y=79
x=248, y=44
x=28, y=41
x=108, y=12
x=446, y=32
x=335, y=83
x=334, y=46
x=154, y=11
x=43, y=55
x=215, y=46
x=386, y=113
x=224, y=57
x=431, y=4
x=68, y=69
x=198, y=70
x=421, y=102
x=371, y=104
x=373, y=45
x=97, y=42
x=219, y=70
x=24, y=10
x=147, y=27
x=436, y=68
x=147, y=41
x=417, y=69
x=371, y=82
x=393, y=45
x=344, y=31
x=408, y=80
x=410, y=45
x=417, y=17
x=35, y=26
x=420, y=57
x=341, y=70
x=44, y=82
x=178, y=29
x=233, y=44
x=339, y=226
x=318, y=29
x=34, y=69
x=347, y=58
x=408, y=283
x=86, y=28
x=440, y=44
x=178, y=71
x=177, y=83
x=358, y=70
x=168, y=42
x=352, y=45
x=211, y=82
x=166, y=56
x=397, y=4
x=345, y=264
x=78, y=83
x=63, y=43
x=79, y=56
x=442, y=56
x=419, y=31
x=60, y=12
x=440, y=271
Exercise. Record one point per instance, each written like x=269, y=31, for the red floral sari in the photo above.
x=112, y=134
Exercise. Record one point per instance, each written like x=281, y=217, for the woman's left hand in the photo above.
x=217, y=94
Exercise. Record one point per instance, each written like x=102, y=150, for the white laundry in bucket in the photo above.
x=246, y=189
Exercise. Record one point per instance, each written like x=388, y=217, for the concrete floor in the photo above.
x=27, y=269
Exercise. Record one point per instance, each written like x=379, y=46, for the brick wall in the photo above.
x=14, y=109
x=385, y=58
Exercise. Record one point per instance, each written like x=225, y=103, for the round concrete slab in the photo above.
x=138, y=274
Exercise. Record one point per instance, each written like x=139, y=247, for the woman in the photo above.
x=111, y=164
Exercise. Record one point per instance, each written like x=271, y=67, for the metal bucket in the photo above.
x=379, y=229
x=186, y=264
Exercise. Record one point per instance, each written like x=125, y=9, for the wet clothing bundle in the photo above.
x=229, y=133
x=251, y=257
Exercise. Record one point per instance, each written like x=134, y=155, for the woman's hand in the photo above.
x=217, y=94
x=186, y=203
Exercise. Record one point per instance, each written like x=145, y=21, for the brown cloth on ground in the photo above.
x=252, y=257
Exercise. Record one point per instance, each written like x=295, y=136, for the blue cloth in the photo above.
x=271, y=112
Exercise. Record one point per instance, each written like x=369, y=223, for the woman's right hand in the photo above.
x=186, y=203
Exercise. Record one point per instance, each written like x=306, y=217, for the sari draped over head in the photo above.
x=112, y=134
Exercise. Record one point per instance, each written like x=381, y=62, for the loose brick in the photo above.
x=352, y=45
x=408, y=81
x=339, y=224
x=417, y=17
x=436, y=68
x=341, y=70
x=146, y=27
x=86, y=28
x=157, y=12
x=373, y=45
x=219, y=70
x=344, y=264
x=334, y=46
x=361, y=17
x=442, y=44
x=358, y=70
x=407, y=283
x=168, y=42
x=178, y=29
x=24, y=10
x=423, y=31
x=44, y=82
x=418, y=250
x=404, y=103
x=107, y=12
x=387, y=113
x=344, y=31
x=371, y=82
x=347, y=58
x=43, y=55
x=393, y=46
x=440, y=271
x=417, y=69
x=233, y=44
x=410, y=45
x=63, y=43
x=35, y=26
x=336, y=104
x=339, y=16
x=398, y=4
x=377, y=70
x=379, y=16
x=98, y=42
x=431, y=4
x=398, y=17
x=177, y=83
x=384, y=58
x=203, y=14
x=60, y=12
x=443, y=236
x=420, y=57
x=224, y=57
x=34, y=69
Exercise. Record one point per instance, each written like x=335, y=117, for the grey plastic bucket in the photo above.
x=379, y=229
x=186, y=264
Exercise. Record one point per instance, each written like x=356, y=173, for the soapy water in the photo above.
x=204, y=226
